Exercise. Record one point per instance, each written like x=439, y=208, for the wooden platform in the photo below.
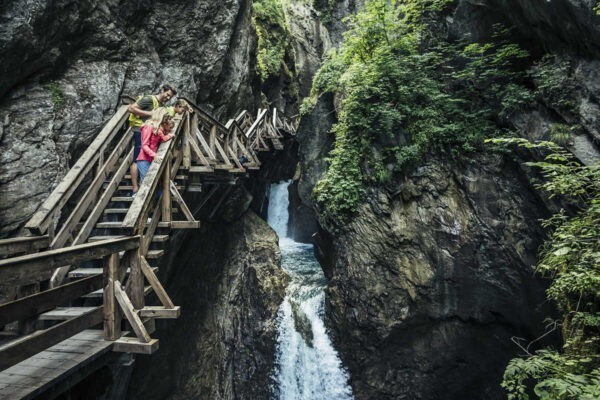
x=35, y=375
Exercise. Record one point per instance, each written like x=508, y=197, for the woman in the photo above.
x=154, y=132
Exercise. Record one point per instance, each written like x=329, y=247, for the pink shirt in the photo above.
x=150, y=142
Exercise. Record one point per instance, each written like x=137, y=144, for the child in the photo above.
x=153, y=134
x=180, y=107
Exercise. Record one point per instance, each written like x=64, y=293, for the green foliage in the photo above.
x=57, y=94
x=554, y=84
x=571, y=257
x=268, y=18
x=560, y=134
x=405, y=97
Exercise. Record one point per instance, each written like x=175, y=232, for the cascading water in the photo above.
x=307, y=365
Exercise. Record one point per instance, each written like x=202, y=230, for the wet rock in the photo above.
x=424, y=299
x=302, y=323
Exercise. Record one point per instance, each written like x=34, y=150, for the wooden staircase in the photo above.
x=92, y=255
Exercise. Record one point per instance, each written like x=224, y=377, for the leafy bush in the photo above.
x=406, y=95
x=571, y=257
x=554, y=85
x=273, y=34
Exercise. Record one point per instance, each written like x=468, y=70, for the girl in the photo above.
x=154, y=132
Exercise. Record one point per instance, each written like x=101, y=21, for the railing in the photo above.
x=20, y=270
x=201, y=145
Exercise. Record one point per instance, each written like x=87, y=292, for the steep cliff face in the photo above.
x=430, y=282
x=433, y=277
x=65, y=64
x=229, y=284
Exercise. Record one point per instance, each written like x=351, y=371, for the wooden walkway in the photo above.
x=80, y=280
x=39, y=373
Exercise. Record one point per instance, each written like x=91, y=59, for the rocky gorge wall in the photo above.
x=433, y=275
x=65, y=64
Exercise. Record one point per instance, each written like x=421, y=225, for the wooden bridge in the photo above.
x=78, y=283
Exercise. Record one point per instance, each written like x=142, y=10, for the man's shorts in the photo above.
x=137, y=143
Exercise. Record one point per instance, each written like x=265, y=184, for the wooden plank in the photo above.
x=90, y=195
x=224, y=156
x=29, y=345
x=250, y=132
x=185, y=224
x=146, y=239
x=177, y=196
x=112, y=315
x=212, y=139
x=136, y=323
x=40, y=221
x=153, y=254
x=64, y=313
x=32, y=264
x=134, y=345
x=38, y=303
x=27, y=244
x=158, y=288
x=205, y=146
x=160, y=312
x=198, y=153
x=201, y=170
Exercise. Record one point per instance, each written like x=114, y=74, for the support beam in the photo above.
x=160, y=291
x=134, y=320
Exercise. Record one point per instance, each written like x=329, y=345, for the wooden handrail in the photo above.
x=206, y=116
x=31, y=265
x=39, y=222
x=27, y=244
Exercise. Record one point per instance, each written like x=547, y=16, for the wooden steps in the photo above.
x=155, y=238
x=64, y=313
x=119, y=225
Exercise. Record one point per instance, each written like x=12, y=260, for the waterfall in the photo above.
x=307, y=365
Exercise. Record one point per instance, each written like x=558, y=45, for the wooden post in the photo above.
x=112, y=314
x=166, y=192
x=187, y=154
x=213, y=138
x=136, y=279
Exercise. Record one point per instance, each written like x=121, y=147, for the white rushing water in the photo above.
x=307, y=365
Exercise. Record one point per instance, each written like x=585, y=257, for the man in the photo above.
x=140, y=111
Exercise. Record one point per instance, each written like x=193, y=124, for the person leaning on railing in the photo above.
x=140, y=111
x=154, y=131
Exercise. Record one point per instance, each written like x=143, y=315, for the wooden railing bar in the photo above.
x=28, y=244
x=40, y=221
x=15, y=352
x=32, y=264
x=91, y=194
x=39, y=303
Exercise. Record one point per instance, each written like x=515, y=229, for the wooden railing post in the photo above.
x=136, y=279
x=213, y=138
x=187, y=153
x=166, y=191
x=112, y=314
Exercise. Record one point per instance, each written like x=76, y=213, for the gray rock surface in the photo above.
x=66, y=63
x=429, y=283
x=228, y=281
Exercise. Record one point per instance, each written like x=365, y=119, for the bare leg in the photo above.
x=133, y=171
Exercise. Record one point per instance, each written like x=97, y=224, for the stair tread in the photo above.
x=155, y=238
x=64, y=313
x=119, y=225
x=155, y=254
